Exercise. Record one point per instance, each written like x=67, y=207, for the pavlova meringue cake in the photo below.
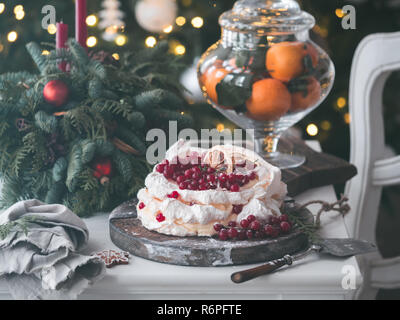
x=193, y=189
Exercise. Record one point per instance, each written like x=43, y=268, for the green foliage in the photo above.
x=17, y=225
x=49, y=152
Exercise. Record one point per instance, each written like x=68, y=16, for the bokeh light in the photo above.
x=120, y=40
x=52, y=29
x=180, y=21
x=180, y=50
x=312, y=130
x=91, y=20
x=197, y=22
x=150, y=42
x=347, y=118
x=220, y=127
x=91, y=41
x=12, y=36
x=341, y=102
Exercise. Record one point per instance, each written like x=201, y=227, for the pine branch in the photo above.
x=21, y=225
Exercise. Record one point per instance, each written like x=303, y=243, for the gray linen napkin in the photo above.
x=43, y=262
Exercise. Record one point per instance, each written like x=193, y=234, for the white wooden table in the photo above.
x=314, y=278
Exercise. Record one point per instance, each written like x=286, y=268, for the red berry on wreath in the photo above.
x=102, y=169
x=56, y=93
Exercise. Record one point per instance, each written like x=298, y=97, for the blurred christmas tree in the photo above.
x=191, y=26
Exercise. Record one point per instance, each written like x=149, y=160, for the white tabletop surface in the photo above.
x=317, y=277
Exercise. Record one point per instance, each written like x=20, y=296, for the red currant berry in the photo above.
x=251, y=218
x=193, y=185
x=183, y=185
x=255, y=225
x=271, y=231
x=211, y=178
x=196, y=170
x=168, y=172
x=285, y=226
x=244, y=223
x=160, y=217
x=273, y=220
x=180, y=179
x=223, y=235
x=141, y=205
x=196, y=176
x=235, y=188
x=232, y=178
x=218, y=227
x=165, y=162
x=245, y=180
x=232, y=233
x=237, y=208
x=222, y=177
x=188, y=173
x=175, y=194
x=160, y=168
x=203, y=187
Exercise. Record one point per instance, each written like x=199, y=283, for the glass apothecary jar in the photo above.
x=265, y=73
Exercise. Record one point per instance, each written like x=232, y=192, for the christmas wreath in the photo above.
x=78, y=137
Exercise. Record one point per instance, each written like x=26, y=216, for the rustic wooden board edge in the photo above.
x=198, y=251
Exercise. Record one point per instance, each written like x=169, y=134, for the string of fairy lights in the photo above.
x=177, y=48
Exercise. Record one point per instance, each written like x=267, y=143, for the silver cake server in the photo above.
x=335, y=247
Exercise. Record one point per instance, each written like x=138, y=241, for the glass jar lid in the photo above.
x=267, y=17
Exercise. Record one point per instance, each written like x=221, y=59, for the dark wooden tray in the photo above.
x=127, y=233
x=320, y=169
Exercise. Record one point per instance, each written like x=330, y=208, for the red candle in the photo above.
x=80, y=22
x=61, y=41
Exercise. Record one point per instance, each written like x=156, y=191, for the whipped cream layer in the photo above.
x=194, y=213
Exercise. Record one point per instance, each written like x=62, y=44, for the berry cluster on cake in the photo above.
x=196, y=192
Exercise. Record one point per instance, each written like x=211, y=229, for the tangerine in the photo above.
x=211, y=78
x=270, y=99
x=285, y=60
x=302, y=100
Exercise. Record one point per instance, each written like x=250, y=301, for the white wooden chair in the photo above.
x=376, y=58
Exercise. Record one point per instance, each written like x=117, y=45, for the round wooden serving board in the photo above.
x=127, y=233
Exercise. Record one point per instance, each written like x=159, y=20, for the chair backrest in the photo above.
x=376, y=58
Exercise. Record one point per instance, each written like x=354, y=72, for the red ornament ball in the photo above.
x=102, y=168
x=56, y=93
